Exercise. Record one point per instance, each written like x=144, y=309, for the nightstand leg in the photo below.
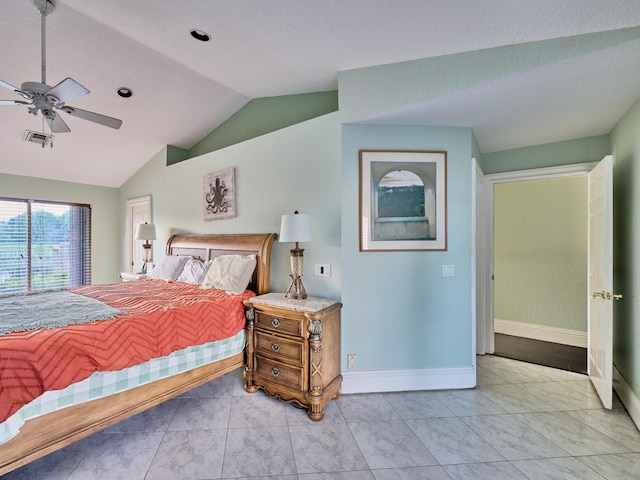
x=248, y=369
x=316, y=403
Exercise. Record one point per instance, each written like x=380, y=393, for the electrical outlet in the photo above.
x=351, y=360
x=322, y=269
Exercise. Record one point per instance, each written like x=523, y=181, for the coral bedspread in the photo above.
x=161, y=318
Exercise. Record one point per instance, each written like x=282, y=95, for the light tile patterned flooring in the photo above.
x=522, y=422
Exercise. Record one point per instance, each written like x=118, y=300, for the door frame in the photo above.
x=486, y=343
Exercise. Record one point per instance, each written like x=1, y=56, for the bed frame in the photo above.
x=48, y=433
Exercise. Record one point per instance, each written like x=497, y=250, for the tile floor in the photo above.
x=522, y=422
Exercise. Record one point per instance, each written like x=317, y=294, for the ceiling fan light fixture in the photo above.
x=125, y=92
x=200, y=35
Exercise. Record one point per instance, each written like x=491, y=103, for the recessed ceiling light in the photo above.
x=200, y=35
x=125, y=92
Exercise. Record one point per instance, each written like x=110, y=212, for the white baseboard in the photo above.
x=628, y=397
x=540, y=332
x=407, y=380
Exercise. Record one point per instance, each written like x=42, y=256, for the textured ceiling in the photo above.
x=183, y=89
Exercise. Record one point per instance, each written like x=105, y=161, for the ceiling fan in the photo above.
x=50, y=101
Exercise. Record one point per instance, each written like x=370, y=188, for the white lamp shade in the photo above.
x=295, y=228
x=146, y=231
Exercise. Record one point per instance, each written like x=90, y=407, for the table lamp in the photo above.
x=296, y=228
x=146, y=232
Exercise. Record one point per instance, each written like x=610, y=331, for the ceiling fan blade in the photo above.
x=13, y=102
x=58, y=125
x=92, y=117
x=9, y=86
x=14, y=89
x=68, y=89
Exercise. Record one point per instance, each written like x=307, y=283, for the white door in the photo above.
x=600, y=282
x=138, y=211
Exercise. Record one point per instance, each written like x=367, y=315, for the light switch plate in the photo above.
x=447, y=270
x=322, y=270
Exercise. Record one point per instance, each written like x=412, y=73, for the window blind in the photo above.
x=44, y=245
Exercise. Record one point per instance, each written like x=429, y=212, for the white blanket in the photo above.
x=22, y=312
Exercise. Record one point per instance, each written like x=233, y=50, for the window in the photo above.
x=44, y=245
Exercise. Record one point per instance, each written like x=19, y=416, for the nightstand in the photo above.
x=130, y=277
x=293, y=350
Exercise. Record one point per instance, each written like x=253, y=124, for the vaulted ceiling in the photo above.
x=183, y=88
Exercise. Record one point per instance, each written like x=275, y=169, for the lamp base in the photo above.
x=146, y=256
x=144, y=267
x=296, y=289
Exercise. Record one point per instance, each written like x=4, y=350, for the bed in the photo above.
x=50, y=431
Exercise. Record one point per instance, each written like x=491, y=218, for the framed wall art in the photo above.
x=218, y=195
x=403, y=200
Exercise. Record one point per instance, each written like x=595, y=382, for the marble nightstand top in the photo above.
x=309, y=304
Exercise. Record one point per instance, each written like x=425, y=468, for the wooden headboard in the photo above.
x=210, y=246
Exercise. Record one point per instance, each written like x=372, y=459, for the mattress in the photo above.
x=103, y=384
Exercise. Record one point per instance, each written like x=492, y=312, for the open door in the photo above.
x=600, y=282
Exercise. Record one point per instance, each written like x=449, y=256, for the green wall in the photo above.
x=625, y=140
x=265, y=115
x=540, y=252
x=294, y=168
x=581, y=150
x=106, y=216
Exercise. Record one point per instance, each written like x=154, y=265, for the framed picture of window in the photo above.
x=403, y=200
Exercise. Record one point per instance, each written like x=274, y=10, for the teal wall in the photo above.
x=625, y=140
x=399, y=312
x=540, y=252
x=106, y=216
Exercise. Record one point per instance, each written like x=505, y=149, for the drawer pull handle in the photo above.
x=275, y=322
x=275, y=347
x=275, y=372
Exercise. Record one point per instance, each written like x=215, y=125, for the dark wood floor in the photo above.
x=565, y=357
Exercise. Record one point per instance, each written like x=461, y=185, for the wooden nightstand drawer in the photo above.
x=279, y=372
x=279, y=324
x=280, y=347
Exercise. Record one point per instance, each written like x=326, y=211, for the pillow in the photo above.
x=231, y=273
x=194, y=271
x=168, y=268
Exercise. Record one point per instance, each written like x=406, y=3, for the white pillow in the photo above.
x=168, y=268
x=231, y=273
x=194, y=271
